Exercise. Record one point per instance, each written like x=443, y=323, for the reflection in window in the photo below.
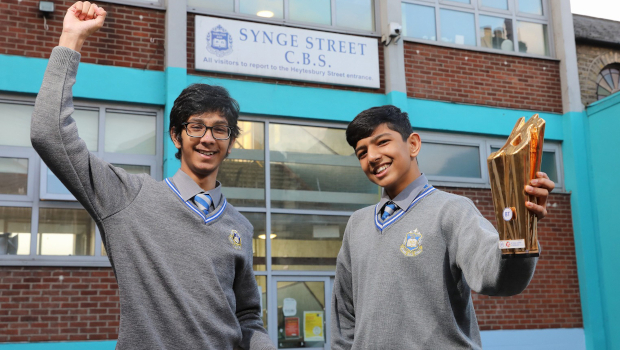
x=306, y=242
x=356, y=14
x=498, y=4
x=532, y=38
x=15, y=230
x=440, y=159
x=314, y=168
x=419, y=21
x=258, y=241
x=531, y=6
x=608, y=81
x=15, y=121
x=496, y=33
x=130, y=133
x=14, y=176
x=65, y=232
x=311, y=11
x=242, y=173
x=135, y=169
x=261, y=281
x=216, y=5
x=457, y=27
x=262, y=8
x=88, y=126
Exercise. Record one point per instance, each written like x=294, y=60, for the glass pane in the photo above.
x=14, y=176
x=262, y=8
x=135, y=169
x=306, y=242
x=242, y=173
x=15, y=121
x=258, y=241
x=312, y=11
x=54, y=186
x=356, y=14
x=419, y=21
x=130, y=133
x=461, y=1
x=301, y=314
x=88, y=127
x=496, y=33
x=65, y=232
x=261, y=281
x=15, y=231
x=457, y=27
x=531, y=6
x=533, y=38
x=449, y=160
x=216, y=5
x=314, y=168
x=549, y=166
x=498, y=4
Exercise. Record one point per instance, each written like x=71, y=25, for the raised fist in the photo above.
x=81, y=20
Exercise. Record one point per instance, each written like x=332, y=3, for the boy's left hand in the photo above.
x=539, y=187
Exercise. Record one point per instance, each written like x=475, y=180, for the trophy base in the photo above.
x=519, y=255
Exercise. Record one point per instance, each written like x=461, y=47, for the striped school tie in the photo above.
x=389, y=209
x=203, y=202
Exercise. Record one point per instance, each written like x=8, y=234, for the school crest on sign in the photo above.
x=412, y=245
x=219, y=41
x=235, y=239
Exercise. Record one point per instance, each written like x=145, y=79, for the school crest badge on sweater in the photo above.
x=412, y=245
x=235, y=239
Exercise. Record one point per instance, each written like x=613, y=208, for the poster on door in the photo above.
x=291, y=327
x=313, y=326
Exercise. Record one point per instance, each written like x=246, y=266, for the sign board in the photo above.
x=313, y=326
x=291, y=327
x=238, y=47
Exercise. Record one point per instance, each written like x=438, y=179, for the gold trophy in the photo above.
x=510, y=170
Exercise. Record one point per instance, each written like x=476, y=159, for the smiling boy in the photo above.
x=407, y=266
x=182, y=255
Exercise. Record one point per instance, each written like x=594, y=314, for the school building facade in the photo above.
x=464, y=71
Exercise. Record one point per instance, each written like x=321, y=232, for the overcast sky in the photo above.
x=609, y=9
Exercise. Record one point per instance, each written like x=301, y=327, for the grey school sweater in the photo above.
x=408, y=286
x=183, y=282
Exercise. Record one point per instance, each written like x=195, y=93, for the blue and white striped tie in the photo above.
x=203, y=202
x=389, y=209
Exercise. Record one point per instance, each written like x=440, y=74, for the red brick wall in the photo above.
x=552, y=299
x=441, y=73
x=125, y=40
x=192, y=70
x=35, y=305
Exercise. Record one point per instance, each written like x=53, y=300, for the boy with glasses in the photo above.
x=181, y=254
x=407, y=266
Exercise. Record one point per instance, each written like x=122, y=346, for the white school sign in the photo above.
x=238, y=47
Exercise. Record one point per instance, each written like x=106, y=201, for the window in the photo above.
x=496, y=25
x=608, y=81
x=348, y=15
x=40, y=221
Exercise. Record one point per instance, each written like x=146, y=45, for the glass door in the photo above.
x=303, y=312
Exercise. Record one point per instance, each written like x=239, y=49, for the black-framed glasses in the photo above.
x=219, y=132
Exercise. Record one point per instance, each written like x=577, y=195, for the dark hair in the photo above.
x=366, y=122
x=202, y=98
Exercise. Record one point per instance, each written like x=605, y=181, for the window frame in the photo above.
x=35, y=199
x=235, y=15
x=155, y=4
x=477, y=9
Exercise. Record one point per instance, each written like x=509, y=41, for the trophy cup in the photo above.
x=510, y=170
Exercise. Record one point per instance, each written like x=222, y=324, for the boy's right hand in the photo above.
x=81, y=20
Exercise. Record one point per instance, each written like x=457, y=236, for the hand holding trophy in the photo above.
x=519, y=206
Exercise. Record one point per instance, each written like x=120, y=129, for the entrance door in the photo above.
x=303, y=312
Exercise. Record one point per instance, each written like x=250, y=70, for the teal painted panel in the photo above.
x=604, y=126
x=82, y=345
x=534, y=339
x=119, y=84
x=577, y=180
x=176, y=81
